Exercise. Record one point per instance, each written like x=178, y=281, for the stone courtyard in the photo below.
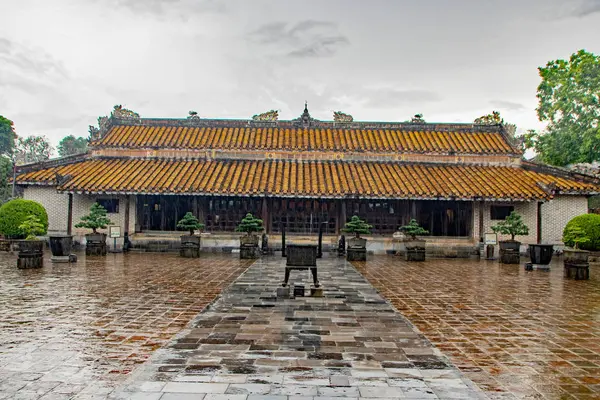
x=119, y=327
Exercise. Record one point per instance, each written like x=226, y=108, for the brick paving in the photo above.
x=251, y=345
x=78, y=329
x=516, y=334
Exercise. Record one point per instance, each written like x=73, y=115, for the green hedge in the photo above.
x=590, y=224
x=13, y=214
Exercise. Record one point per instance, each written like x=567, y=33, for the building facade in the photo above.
x=456, y=180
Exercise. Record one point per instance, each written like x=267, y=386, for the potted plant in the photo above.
x=512, y=225
x=249, y=242
x=357, y=246
x=415, y=248
x=95, y=241
x=190, y=244
x=31, y=249
x=576, y=263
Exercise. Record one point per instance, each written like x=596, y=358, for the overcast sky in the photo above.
x=63, y=63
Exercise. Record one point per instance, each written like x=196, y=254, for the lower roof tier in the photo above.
x=304, y=179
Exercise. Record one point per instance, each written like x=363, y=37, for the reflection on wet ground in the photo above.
x=516, y=334
x=67, y=327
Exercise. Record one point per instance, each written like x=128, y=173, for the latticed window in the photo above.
x=303, y=216
x=385, y=216
x=223, y=214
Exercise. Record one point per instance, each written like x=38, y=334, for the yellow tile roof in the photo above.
x=301, y=139
x=303, y=179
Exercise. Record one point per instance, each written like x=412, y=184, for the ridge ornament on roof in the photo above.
x=271, y=116
x=305, y=120
x=124, y=113
x=339, y=116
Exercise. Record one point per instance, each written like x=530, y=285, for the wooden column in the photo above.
x=70, y=215
x=539, y=222
x=163, y=220
x=413, y=209
x=126, y=227
x=264, y=211
x=481, y=208
x=343, y=217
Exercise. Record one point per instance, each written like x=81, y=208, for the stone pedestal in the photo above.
x=299, y=290
x=249, y=247
x=31, y=254
x=356, y=254
x=415, y=254
x=577, y=271
x=95, y=244
x=190, y=246
x=316, y=292
x=510, y=256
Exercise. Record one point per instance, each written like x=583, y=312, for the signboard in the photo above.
x=114, y=231
x=491, y=238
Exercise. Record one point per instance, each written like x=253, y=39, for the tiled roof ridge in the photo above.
x=53, y=162
x=249, y=123
x=559, y=172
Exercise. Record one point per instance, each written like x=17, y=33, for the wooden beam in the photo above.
x=539, y=222
x=481, y=208
x=70, y=215
x=126, y=227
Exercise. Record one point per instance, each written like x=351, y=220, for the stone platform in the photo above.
x=249, y=344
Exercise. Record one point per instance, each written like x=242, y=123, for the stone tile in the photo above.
x=182, y=396
x=294, y=390
x=372, y=391
x=187, y=387
x=338, y=391
x=248, y=388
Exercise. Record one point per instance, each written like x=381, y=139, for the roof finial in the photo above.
x=305, y=106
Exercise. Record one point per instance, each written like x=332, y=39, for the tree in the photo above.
x=70, y=145
x=96, y=219
x=32, y=149
x=569, y=100
x=413, y=229
x=5, y=175
x=512, y=225
x=7, y=136
x=250, y=224
x=357, y=226
x=31, y=227
x=190, y=222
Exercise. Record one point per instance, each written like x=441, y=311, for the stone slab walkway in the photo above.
x=249, y=345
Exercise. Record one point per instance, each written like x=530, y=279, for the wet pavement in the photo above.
x=251, y=344
x=516, y=334
x=78, y=329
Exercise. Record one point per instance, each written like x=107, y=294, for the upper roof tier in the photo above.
x=304, y=134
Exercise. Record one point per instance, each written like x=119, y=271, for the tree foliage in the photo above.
x=7, y=136
x=569, y=100
x=190, y=222
x=357, y=226
x=512, y=225
x=32, y=149
x=413, y=229
x=590, y=225
x=5, y=175
x=15, y=212
x=250, y=224
x=96, y=219
x=31, y=227
x=70, y=145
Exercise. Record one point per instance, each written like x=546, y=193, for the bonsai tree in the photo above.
x=413, y=229
x=512, y=225
x=250, y=224
x=574, y=236
x=357, y=226
x=96, y=219
x=190, y=223
x=31, y=227
x=589, y=224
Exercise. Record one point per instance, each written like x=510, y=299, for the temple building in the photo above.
x=456, y=180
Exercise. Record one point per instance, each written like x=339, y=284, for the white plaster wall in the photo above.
x=55, y=204
x=557, y=212
x=528, y=210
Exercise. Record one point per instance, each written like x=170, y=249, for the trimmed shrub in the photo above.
x=590, y=224
x=15, y=212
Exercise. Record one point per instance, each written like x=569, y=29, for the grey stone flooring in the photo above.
x=249, y=344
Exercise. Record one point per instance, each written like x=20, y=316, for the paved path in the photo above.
x=249, y=344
